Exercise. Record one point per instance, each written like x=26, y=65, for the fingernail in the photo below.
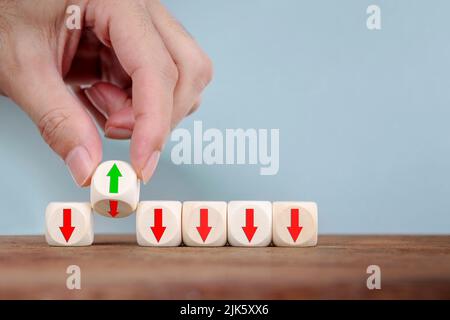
x=150, y=167
x=96, y=98
x=117, y=133
x=80, y=165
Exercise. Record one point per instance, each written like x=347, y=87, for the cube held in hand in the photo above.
x=115, y=189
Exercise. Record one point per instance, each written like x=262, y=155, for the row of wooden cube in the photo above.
x=195, y=223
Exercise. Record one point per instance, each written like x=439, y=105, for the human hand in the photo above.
x=146, y=74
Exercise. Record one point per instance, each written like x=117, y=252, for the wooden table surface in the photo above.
x=116, y=268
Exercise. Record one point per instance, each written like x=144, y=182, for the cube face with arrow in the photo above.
x=115, y=189
x=204, y=223
x=69, y=224
x=158, y=223
x=249, y=223
x=295, y=224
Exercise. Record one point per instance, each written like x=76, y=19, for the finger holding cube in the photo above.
x=115, y=189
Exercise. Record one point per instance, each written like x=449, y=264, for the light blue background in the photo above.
x=363, y=117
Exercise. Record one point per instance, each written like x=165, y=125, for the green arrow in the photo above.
x=114, y=175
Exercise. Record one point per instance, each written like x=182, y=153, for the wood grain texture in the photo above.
x=413, y=267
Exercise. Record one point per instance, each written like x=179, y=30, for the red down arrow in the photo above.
x=203, y=229
x=295, y=229
x=249, y=228
x=158, y=229
x=113, y=204
x=67, y=228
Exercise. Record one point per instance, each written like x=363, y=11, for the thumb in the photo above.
x=62, y=121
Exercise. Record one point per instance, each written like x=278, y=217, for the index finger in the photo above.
x=142, y=54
